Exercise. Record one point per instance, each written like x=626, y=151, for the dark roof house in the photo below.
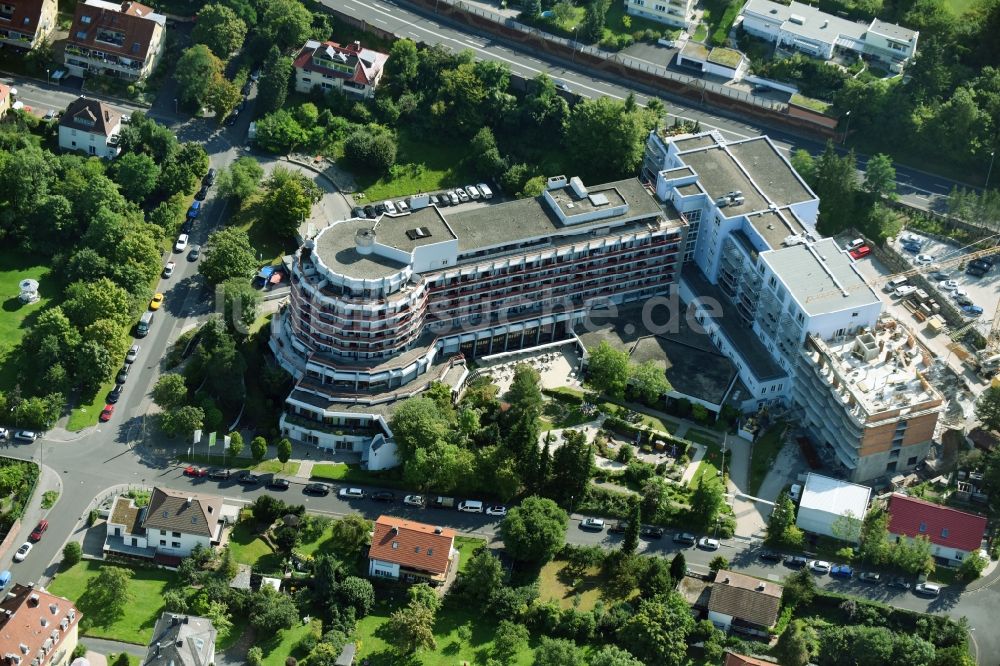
x=123, y=28
x=91, y=116
x=750, y=600
x=186, y=512
x=181, y=640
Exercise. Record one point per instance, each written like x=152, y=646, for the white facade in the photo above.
x=380, y=569
x=77, y=140
x=179, y=544
x=676, y=13
x=832, y=508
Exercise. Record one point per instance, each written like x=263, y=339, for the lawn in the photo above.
x=451, y=648
x=467, y=546
x=354, y=474
x=555, y=584
x=85, y=415
x=424, y=163
x=614, y=23
x=763, y=454
x=719, y=15
x=290, y=468
x=136, y=624
x=269, y=247
x=17, y=317
x=277, y=651
x=247, y=548
x=568, y=417
x=817, y=105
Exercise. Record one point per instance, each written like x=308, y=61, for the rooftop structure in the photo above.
x=181, y=640
x=743, y=598
x=833, y=508
x=945, y=527
x=349, y=68
x=37, y=628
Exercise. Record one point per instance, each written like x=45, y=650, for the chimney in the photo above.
x=760, y=586
x=438, y=529
x=726, y=580
x=394, y=530
x=174, y=620
x=357, y=46
x=186, y=618
x=189, y=501
x=180, y=642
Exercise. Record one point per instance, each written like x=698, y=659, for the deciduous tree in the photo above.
x=608, y=370
x=649, y=381
x=285, y=23
x=657, y=632
x=880, y=177
x=136, y=175
x=558, y=652
x=241, y=179
x=612, y=655
x=510, y=638
x=228, y=254
x=350, y=534
x=220, y=29
x=284, y=450
x=270, y=611
x=535, y=530
x=170, y=392
x=482, y=577
x=272, y=88
x=797, y=644
x=197, y=70
x=258, y=448
x=411, y=628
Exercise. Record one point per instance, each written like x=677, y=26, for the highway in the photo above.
x=916, y=188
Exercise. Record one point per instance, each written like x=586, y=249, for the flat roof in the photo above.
x=688, y=190
x=335, y=247
x=810, y=21
x=775, y=226
x=392, y=230
x=720, y=174
x=693, y=142
x=770, y=171
x=821, y=493
x=892, y=30
x=821, y=277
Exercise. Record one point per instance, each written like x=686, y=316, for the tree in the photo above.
x=657, y=631
x=914, y=555
x=482, y=578
x=88, y=302
x=109, y=590
x=485, y=155
x=121, y=660
x=357, y=593
x=880, y=177
x=678, y=567
x=255, y=656
x=531, y=9
x=258, y=448
x=272, y=88
x=284, y=450
x=220, y=29
x=846, y=527
x=241, y=304
x=648, y=381
x=611, y=655
x=796, y=645
x=136, y=175
x=222, y=96
x=804, y=164
x=235, y=444
x=279, y=132
x=266, y=509
x=835, y=182
x=182, y=421
x=718, y=562
x=988, y=408
x=350, y=534
x=972, y=567
x=228, y=254
x=424, y=595
x=875, y=548
x=608, y=370
x=630, y=542
x=535, y=530
x=508, y=640
x=558, y=652
x=592, y=27
x=373, y=149
x=285, y=23
x=401, y=68
x=620, y=137
x=197, y=70
x=170, y=391
x=270, y=611
x=800, y=588
x=240, y=179
x=411, y=628
x=781, y=528
x=572, y=468
x=72, y=552
x=285, y=206
x=707, y=500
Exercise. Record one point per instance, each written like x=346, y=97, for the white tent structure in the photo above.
x=29, y=291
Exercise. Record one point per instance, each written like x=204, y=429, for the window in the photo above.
x=395, y=545
x=163, y=542
x=661, y=8
x=176, y=535
x=81, y=34
x=854, y=314
x=430, y=551
x=416, y=549
x=165, y=514
x=912, y=461
x=175, y=544
x=944, y=532
x=85, y=19
x=923, y=527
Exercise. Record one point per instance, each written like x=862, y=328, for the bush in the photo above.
x=255, y=656
x=72, y=552
x=605, y=502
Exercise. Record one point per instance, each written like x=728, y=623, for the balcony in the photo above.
x=332, y=428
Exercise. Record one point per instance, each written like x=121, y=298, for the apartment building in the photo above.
x=351, y=69
x=37, y=628
x=807, y=29
x=777, y=298
x=122, y=40
x=381, y=308
x=676, y=13
x=27, y=23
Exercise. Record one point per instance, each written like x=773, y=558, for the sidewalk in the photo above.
x=48, y=479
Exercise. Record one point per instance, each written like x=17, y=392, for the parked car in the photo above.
x=246, y=478
x=182, y=242
x=358, y=212
x=380, y=209
x=107, y=412
x=707, y=543
x=595, y=524
x=402, y=206
x=133, y=353
x=233, y=117
x=26, y=435
x=383, y=496
x=454, y=198
x=949, y=285
x=819, y=566
x=168, y=270
x=351, y=493
x=795, y=561
x=463, y=196
x=651, y=532
x=860, y=253
x=841, y=571
x=485, y=190
x=472, y=191
x=195, y=253
x=924, y=259
x=277, y=483
x=36, y=534
x=122, y=376
x=618, y=528
x=219, y=474
x=496, y=510
x=188, y=226
x=685, y=538
x=156, y=302
x=370, y=212
x=5, y=579
x=390, y=207
x=904, y=291
x=912, y=248
x=195, y=210
x=926, y=589
x=870, y=577
x=209, y=178
x=470, y=506
x=939, y=276
x=769, y=556
x=434, y=201
x=317, y=489
x=22, y=552
x=202, y=193
x=414, y=500
x=963, y=301
x=4, y=434
x=900, y=582
x=115, y=393
x=194, y=471
x=972, y=310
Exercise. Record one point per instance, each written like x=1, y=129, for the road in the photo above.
x=917, y=188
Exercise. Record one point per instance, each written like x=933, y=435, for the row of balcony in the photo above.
x=374, y=338
x=105, y=59
x=303, y=328
x=331, y=428
x=302, y=302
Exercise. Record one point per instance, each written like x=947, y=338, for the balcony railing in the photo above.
x=332, y=428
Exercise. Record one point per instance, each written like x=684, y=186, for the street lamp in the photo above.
x=847, y=129
x=989, y=171
x=175, y=106
x=47, y=76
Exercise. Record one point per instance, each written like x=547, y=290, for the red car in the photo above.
x=191, y=470
x=108, y=410
x=39, y=531
x=861, y=252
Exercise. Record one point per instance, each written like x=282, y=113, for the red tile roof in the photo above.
x=944, y=526
x=733, y=659
x=417, y=545
x=367, y=63
x=135, y=22
x=38, y=620
x=26, y=16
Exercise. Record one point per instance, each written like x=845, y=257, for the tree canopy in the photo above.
x=534, y=530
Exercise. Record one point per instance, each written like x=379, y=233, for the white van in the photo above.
x=471, y=506
x=485, y=189
x=894, y=284
x=905, y=290
x=856, y=243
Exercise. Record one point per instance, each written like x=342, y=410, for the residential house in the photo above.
x=5, y=100
x=37, y=628
x=123, y=40
x=181, y=640
x=676, y=13
x=953, y=534
x=168, y=528
x=90, y=126
x=727, y=63
x=734, y=659
x=805, y=28
x=833, y=508
x=412, y=552
x=27, y=23
x=743, y=603
x=352, y=69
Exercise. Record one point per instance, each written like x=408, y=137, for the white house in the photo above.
x=744, y=602
x=90, y=126
x=676, y=13
x=719, y=61
x=412, y=552
x=171, y=525
x=953, y=534
x=351, y=69
x=833, y=508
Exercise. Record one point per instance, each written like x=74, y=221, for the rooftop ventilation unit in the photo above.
x=418, y=233
x=599, y=199
x=555, y=182
x=578, y=188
